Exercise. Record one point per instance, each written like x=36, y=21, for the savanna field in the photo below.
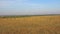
x=30, y=25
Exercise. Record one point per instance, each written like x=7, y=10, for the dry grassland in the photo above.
x=30, y=25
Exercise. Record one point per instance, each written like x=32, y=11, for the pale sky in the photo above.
x=29, y=7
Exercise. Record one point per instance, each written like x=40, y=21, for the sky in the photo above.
x=29, y=7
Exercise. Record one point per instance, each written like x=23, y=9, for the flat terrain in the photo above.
x=30, y=25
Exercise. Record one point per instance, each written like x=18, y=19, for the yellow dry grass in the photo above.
x=30, y=25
